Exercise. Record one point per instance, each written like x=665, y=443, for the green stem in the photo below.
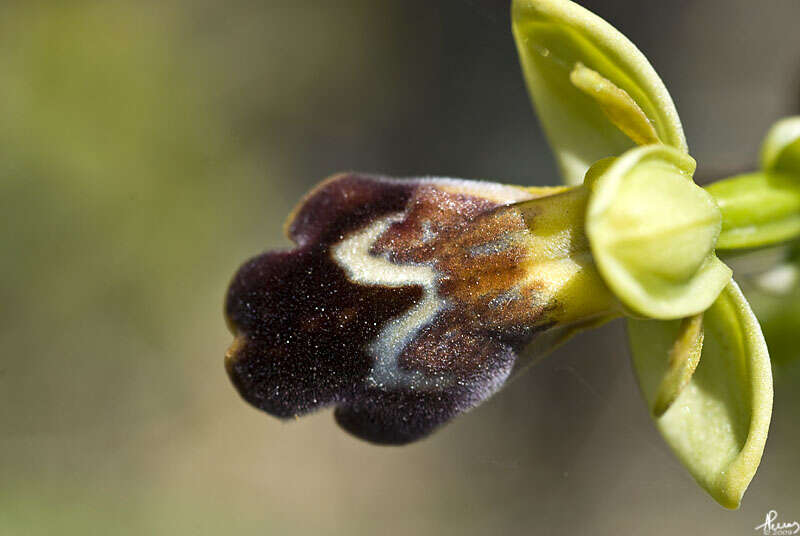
x=758, y=209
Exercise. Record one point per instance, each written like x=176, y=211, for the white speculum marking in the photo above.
x=353, y=255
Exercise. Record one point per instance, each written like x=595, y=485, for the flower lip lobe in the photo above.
x=399, y=306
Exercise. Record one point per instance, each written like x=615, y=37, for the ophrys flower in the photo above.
x=406, y=302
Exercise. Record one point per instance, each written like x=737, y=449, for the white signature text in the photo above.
x=772, y=527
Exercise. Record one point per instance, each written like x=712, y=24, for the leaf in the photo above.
x=718, y=425
x=758, y=209
x=652, y=233
x=553, y=37
x=781, y=149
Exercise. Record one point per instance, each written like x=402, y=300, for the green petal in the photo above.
x=781, y=149
x=684, y=356
x=758, y=209
x=718, y=425
x=652, y=233
x=553, y=37
x=616, y=104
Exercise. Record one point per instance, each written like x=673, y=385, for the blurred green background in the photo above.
x=148, y=147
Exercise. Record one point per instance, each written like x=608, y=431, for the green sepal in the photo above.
x=553, y=37
x=770, y=278
x=718, y=425
x=652, y=233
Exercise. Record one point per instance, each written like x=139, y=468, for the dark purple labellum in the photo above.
x=403, y=304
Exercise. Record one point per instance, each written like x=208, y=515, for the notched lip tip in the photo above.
x=233, y=351
x=232, y=327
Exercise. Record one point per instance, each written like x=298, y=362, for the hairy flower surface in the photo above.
x=405, y=302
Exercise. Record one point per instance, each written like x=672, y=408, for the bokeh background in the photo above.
x=148, y=147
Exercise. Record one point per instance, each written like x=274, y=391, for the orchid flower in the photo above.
x=406, y=302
